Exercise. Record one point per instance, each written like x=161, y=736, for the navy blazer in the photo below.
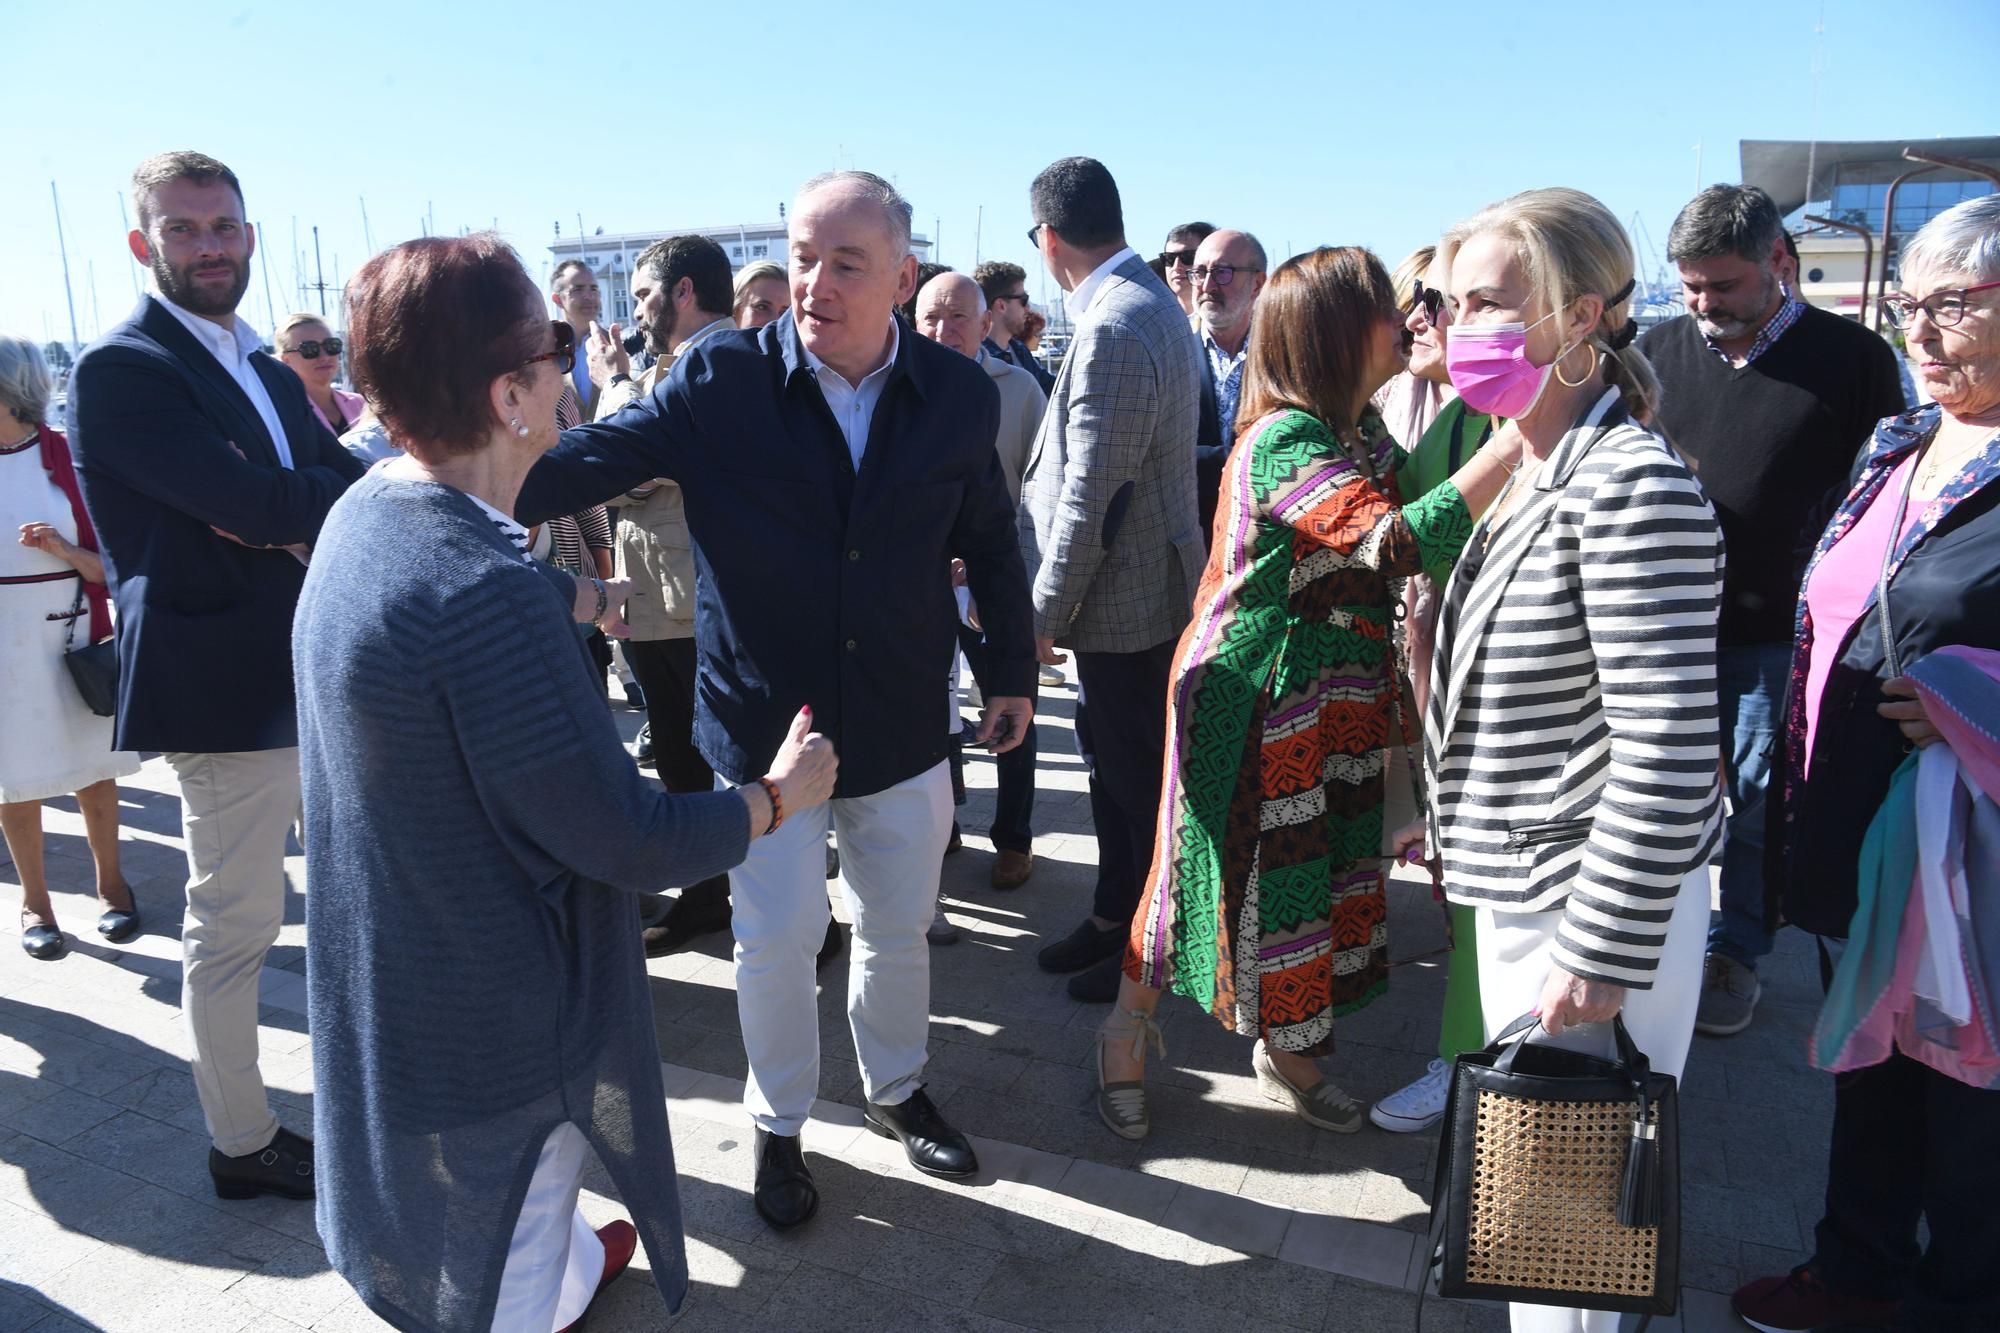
x=204, y=625
x=816, y=584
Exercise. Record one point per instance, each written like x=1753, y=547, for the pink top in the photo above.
x=352, y=406
x=1842, y=583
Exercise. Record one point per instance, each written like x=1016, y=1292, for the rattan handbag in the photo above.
x=1558, y=1181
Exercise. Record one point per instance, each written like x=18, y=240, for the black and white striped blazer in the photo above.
x=1574, y=740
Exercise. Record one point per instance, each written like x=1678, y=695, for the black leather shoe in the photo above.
x=41, y=941
x=1098, y=984
x=642, y=749
x=285, y=1169
x=1082, y=947
x=700, y=910
x=934, y=1147
x=829, y=950
x=785, y=1194
x=116, y=927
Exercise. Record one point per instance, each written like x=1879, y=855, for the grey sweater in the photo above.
x=474, y=834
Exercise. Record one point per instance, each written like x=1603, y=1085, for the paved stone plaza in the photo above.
x=1233, y=1214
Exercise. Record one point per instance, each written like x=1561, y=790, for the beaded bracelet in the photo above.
x=777, y=805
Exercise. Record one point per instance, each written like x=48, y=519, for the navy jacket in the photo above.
x=204, y=625
x=816, y=584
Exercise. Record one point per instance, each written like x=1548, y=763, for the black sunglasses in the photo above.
x=1022, y=297
x=565, y=354
x=1176, y=258
x=312, y=347
x=1035, y=235
x=1431, y=299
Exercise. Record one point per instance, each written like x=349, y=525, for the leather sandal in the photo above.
x=1122, y=1106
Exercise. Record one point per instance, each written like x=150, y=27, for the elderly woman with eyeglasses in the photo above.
x=1921, y=519
x=308, y=346
x=475, y=839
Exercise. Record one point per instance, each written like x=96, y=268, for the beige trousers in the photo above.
x=235, y=812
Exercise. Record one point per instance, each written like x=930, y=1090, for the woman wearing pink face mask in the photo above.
x=1573, y=743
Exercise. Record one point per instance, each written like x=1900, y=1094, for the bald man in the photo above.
x=831, y=469
x=1228, y=274
x=951, y=309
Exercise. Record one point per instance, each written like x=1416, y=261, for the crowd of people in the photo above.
x=1457, y=566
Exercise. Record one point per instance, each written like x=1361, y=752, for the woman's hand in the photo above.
x=1407, y=842
x=44, y=537
x=1568, y=1000
x=612, y=620
x=1911, y=717
x=805, y=767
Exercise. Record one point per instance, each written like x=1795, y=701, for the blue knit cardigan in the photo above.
x=474, y=835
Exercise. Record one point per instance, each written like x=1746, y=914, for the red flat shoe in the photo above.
x=621, y=1242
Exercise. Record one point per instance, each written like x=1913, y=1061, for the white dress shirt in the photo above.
x=854, y=404
x=231, y=349
x=1079, y=301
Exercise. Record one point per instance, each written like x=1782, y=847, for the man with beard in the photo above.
x=1769, y=399
x=682, y=293
x=207, y=476
x=1004, y=287
x=1227, y=274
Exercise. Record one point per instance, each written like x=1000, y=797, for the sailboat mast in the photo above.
x=63, y=247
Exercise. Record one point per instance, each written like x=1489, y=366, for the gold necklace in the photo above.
x=1936, y=465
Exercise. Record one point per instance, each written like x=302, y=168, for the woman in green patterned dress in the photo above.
x=1265, y=902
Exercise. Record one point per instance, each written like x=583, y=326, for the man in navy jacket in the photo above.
x=833, y=463
x=207, y=476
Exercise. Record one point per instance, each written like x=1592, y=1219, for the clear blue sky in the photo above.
x=1307, y=123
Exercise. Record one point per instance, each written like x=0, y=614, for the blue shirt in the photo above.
x=1227, y=373
x=819, y=582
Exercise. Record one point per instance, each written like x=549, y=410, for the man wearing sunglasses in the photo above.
x=1177, y=258
x=205, y=473
x=1770, y=399
x=1005, y=287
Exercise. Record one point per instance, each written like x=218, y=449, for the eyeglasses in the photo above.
x=1221, y=274
x=312, y=347
x=1944, y=308
x=1432, y=301
x=1022, y=297
x=565, y=354
x=1035, y=235
x=1176, y=258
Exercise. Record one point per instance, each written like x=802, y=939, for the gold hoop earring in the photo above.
x=1568, y=383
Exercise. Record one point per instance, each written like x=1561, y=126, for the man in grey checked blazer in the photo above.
x=1110, y=533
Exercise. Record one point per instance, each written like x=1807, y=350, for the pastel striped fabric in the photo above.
x=1574, y=741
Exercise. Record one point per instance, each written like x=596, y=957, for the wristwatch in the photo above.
x=619, y=378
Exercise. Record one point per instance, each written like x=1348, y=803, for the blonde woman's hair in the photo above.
x=749, y=273
x=282, y=333
x=1403, y=279
x=1571, y=247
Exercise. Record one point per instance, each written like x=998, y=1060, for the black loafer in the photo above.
x=116, y=927
x=43, y=942
x=702, y=909
x=283, y=1168
x=1082, y=947
x=1098, y=984
x=830, y=948
x=785, y=1194
x=934, y=1147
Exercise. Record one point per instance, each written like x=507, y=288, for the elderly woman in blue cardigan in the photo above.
x=475, y=836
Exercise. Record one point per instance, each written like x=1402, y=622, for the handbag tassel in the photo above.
x=1639, y=1199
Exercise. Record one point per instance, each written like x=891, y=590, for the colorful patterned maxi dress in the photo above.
x=1265, y=902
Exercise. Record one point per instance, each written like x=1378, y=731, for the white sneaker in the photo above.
x=1418, y=1105
x=942, y=931
x=1050, y=677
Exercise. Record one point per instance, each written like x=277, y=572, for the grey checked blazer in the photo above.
x=1109, y=526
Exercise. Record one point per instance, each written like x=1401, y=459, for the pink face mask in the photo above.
x=1489, y=366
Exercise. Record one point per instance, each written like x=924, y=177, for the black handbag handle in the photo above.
x=1632, y=1061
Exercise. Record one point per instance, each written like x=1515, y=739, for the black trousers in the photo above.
x=665, y=668
x=1122, y=728
x=1014, y=802
x=1910, y=1143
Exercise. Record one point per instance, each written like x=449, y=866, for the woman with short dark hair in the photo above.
x=475, y=838
x=1265, y=903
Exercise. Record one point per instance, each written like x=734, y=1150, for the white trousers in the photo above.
x=891, y=849
x=554, y=1261
x=235, y=812
x=1514, y=950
